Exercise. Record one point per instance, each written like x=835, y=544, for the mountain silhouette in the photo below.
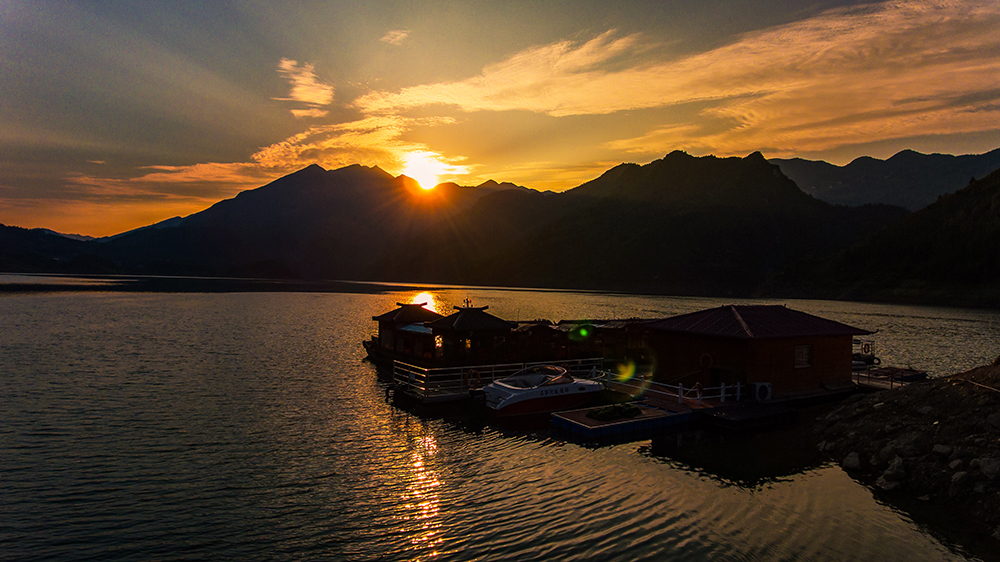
x=909, y=179
x=313, y=223
x=679, y=225
x=948, y=252
x=683, y=225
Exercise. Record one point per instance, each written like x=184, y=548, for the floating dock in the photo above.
x=649, y=422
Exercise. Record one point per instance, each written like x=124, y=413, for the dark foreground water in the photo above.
x=247, y=427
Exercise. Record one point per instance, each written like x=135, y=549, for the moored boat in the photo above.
x=539, y=389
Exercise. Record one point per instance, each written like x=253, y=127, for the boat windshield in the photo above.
x=540, y=375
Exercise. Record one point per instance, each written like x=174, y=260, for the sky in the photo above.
x=116, y=115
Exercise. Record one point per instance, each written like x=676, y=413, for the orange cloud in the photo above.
x=306, y=88
x=395, y=37
x=890, y=70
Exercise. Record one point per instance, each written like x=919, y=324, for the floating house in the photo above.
x=471, y=336
x=403, y=334
x=773, y=350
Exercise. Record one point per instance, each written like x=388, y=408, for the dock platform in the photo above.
x=649, y=422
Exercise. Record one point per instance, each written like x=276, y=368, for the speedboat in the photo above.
x=539, y=389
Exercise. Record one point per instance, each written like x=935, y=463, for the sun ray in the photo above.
x=425, y=167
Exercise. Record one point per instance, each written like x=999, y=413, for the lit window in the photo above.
x=803, y=356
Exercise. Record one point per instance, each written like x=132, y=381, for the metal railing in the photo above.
x=665, y=392
x=444, y=384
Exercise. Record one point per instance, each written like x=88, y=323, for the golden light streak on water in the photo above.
x=422, y=497
x=429, y=301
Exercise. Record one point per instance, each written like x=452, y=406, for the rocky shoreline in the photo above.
x=937, y=441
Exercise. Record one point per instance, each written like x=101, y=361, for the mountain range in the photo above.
x=681, y=225
x=908, y=179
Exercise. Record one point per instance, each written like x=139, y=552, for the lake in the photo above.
x=145, y=426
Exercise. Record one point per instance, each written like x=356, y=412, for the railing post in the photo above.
x=699, y=395
x=737, y=392
x=680, y=393
x=723, y=393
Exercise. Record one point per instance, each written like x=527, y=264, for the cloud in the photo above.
x=306, y=88
x=374, y=140
x=313, y=112
x=395, y=37
x=879, y=71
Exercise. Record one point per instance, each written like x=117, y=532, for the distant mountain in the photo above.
x=683, y=225
x=41, y=250
x=81, y=237
x=728, y=227
x=313, y=223
x=948, y=252
x=909, y=179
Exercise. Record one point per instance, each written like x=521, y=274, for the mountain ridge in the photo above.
x=681, y=224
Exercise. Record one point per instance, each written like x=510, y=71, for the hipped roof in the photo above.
x=471, y=319
x=408, y=314
x=754, y=322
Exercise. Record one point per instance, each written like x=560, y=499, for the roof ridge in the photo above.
x=739, y=319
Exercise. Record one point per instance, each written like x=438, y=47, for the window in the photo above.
x=803, y=356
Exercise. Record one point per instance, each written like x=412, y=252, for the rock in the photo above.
x=895, y=472
x=888, y=485
x=956, y=464
x=925, y=410
x=944, y=450
x=924, y=498
x=887, y=452
x=960, y=453
x=830, y=446
x=821, y=446
x=959, y=477
x=913, y=445
x=990, y=467
x=996, y=533
x=974, y=464
x=993, y=419
x=851, y=462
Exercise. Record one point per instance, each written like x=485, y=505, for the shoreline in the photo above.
x=934, y=442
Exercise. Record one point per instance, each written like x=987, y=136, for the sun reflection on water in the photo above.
x=429, y=301
x=421, y=500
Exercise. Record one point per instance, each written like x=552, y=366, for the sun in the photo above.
x=425, y=167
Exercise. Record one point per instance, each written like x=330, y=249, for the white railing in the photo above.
x=677, y=392
x=441, y=384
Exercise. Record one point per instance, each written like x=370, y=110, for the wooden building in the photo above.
x=774, y=350
x=471, y=336
x=403, y=334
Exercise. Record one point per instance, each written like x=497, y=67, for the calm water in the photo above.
x=247, y=426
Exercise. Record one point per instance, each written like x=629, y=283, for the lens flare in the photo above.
x=625, y=371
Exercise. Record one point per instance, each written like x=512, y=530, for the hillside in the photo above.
x=948, y=252
x=909, y=179
x=313, y=223
x=680, y=225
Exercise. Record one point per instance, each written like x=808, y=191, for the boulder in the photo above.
x=990, y=467
x=895, y=472
x=888, y=485
x=851, y=462
x=943, y=450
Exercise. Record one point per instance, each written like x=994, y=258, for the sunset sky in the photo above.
x=114, y=115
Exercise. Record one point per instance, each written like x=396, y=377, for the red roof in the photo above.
x=471, y=319
x=408, y=314
x=754, y=322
